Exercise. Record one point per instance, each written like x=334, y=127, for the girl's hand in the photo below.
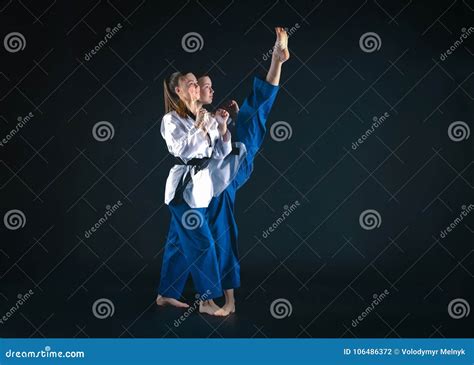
x=222, y=116
x=233, y=107
x=201, y=120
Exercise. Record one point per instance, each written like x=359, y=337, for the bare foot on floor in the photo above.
x=209, y=307
x=164, y=301
x=229, y=307
x=281, y=45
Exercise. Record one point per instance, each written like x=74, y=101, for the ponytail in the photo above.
x=172, y=100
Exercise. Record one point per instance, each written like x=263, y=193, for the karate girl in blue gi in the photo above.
x=209, y=250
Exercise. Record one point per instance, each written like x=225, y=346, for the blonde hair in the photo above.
x=172, y=100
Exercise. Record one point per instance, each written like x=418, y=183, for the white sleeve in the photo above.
x=183, y=143
x=223, y=146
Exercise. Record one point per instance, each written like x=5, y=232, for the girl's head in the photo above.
x=206, y=90
x=180, y=90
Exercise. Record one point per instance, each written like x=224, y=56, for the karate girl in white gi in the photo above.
x=195, y=138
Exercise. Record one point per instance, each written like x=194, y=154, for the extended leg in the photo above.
x=280, y=54
x=250, y=130
x=251, y=121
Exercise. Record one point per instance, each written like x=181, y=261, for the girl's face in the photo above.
x=207, y=92
x=188, y=89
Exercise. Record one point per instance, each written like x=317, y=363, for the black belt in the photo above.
x=202, y=161
x=192, y=162
x=197, y=164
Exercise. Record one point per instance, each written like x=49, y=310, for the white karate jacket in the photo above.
x=186, y=141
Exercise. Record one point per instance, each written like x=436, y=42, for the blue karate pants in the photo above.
x=219, y=216
x=190, y=248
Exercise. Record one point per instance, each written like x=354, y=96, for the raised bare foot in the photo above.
x=164, y=301
x=280, y=50
x=209, y=307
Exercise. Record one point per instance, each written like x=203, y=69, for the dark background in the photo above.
x=319, y=259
